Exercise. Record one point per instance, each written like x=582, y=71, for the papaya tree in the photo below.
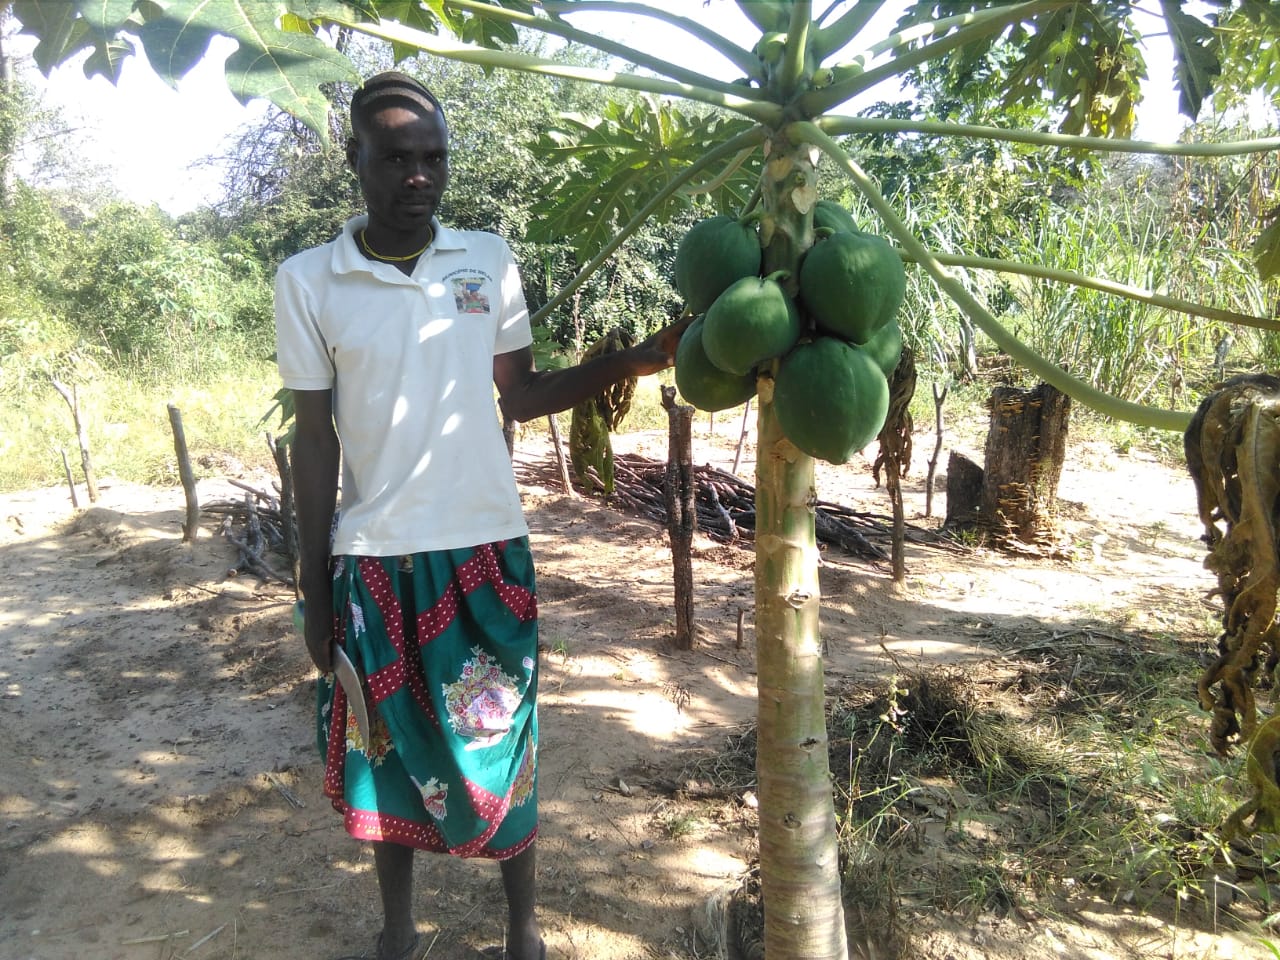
x=775, y=126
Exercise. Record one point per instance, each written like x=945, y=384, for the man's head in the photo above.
x=399, y=150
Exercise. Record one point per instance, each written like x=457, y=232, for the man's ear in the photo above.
x=353, y=150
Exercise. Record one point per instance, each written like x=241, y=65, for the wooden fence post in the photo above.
x=192, y=525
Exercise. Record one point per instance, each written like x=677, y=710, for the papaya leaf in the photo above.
x=173, y=47
x=284, y=67
x=108, y=58
x=1266, y=251
x=106, y=19
x=428, y=17
x=1196, y=54
x=1086, y=56
x=59, y=30
x=608, y=167
x=547, y=353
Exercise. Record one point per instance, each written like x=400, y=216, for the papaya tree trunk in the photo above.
x=799, y=863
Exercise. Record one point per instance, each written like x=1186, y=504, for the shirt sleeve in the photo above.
x=301, y=351
x=513, y=320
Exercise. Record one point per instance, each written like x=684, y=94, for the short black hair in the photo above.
x=392, y=88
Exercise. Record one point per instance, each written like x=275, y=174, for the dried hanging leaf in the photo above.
x=1233, y=453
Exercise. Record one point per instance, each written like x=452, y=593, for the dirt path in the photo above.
x=159, y=790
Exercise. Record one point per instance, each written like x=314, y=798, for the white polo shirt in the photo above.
x=410, y=363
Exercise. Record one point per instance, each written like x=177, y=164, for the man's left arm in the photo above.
x=526, y=393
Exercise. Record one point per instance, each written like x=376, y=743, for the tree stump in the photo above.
x=964, y=491
x=1026, y=445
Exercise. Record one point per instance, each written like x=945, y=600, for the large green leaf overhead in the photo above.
x=1196, y=60
x=611, y=166
x=278, y=56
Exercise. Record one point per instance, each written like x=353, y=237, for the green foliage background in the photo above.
x=138, y=308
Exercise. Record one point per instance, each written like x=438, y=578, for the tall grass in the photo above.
x=126, y=421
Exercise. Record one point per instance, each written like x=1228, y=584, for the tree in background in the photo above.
x=1080, y=56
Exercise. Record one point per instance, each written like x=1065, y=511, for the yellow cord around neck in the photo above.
x=364, y=242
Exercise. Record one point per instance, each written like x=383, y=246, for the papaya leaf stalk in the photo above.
x=837, y=124
x=396, y=33
x=1103, y=286
x=564, y=30
x=973, y=26
x=838, y=34
x=792, y=69
x=743, y=59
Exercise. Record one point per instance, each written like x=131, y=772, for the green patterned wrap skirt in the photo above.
x=447, y=642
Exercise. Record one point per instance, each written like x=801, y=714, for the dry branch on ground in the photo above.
x=726, y=507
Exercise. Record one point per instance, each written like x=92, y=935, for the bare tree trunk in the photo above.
x=71, y=481
x=895, y=452
x=679, y=490
x=938, y=399
x=191, y=527
x=82, y=437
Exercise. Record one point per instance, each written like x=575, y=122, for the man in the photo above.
x=392, y=337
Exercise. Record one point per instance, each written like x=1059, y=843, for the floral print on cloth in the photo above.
x=379, y=744
x=434, y=793
x=526, y=778
x=446, y=643
x=483, y=701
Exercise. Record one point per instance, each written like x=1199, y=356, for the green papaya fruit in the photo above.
x=701, y=382
x=830, y=398
x=753, y=320
x=711, y=256
x=772, y=46
x=852, y=284
x=885, y=347
x=834, y=217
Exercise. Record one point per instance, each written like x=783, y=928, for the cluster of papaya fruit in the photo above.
x=837, y=343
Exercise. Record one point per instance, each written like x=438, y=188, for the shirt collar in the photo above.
x=347, y=257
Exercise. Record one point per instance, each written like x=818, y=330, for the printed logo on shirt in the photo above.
x=469, y=294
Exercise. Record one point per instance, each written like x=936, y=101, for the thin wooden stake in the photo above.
x=561, y=460
x=680, y=490
x=71, y=483
x=742, y=435
x=192, y=525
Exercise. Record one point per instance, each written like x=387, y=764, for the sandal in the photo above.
x=406, y=954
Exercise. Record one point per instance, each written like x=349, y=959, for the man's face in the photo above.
x=401, y=158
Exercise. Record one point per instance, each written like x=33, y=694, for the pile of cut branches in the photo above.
x=257, y=526
x=726, y=507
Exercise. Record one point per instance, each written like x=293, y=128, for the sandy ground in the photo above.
x=160, y=787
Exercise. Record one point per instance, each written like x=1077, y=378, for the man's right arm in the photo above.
x=315, y=481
